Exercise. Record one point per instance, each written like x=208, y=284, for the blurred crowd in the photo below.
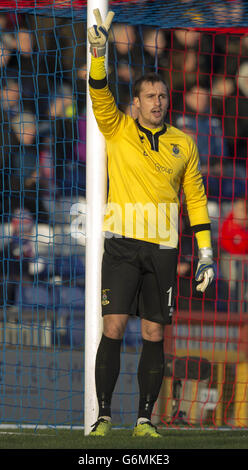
x=42, y=145
x=43, y=124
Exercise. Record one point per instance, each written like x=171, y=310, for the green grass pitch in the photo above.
x=122, y=439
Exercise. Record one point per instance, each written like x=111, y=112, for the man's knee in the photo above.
x=114, y=326
x=152, y=331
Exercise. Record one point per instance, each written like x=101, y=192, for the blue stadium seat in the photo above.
x=32, y=296
x=68, y=266
x=69, y=297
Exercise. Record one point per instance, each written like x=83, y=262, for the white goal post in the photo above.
x=95, y=198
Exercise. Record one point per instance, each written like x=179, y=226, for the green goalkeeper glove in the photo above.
x=205, y=269
x=98, y=34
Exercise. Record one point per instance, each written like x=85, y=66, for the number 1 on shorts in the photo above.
x=169, y=291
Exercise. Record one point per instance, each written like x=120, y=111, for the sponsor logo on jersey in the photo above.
x=163, y=169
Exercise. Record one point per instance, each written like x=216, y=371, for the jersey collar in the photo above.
x=153, y=138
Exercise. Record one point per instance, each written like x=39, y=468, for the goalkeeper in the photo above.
x=148, y=162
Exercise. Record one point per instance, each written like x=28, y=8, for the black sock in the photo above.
x=150, y=376
x=106, y=372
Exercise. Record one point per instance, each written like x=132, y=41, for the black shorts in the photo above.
x=138, y=278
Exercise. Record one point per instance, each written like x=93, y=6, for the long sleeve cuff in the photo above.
x=97, y=68
x=203, y=239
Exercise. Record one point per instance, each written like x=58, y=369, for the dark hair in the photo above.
x=150, y=77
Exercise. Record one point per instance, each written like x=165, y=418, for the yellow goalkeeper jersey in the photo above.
x=146, y=170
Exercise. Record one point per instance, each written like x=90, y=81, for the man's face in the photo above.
x=10, y=95
x=152, y=104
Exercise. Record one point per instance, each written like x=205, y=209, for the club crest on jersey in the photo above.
x=105, y=300
x=175, y=150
